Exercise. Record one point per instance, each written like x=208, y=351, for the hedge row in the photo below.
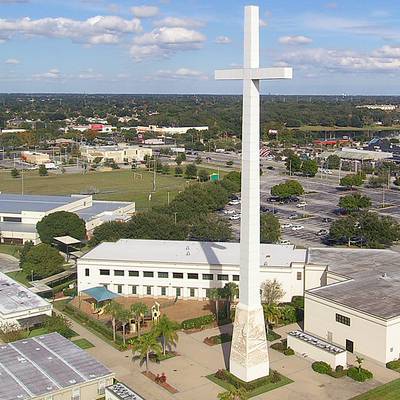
x=393, y=364
x=199, y=322
x=98, y=326
x=226, y=376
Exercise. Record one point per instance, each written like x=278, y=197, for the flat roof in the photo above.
x=211, y=253
x=43, y=365
x=68, y=240
x=16, y=203
x=101, y=207
x=15, y=297
x=17, y=227
x=373, y=279
x=123, y=392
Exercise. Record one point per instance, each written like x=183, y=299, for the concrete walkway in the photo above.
x=8, y=263
x=187, y=372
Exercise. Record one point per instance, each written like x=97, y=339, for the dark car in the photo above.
x=270, y=167
x=327, y=219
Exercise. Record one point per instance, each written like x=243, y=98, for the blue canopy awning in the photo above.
x=100, y=293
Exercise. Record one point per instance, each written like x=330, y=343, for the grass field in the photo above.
x=10, y=249
x=389, y=391
x=112, y=185
x=20, y=277
x=83, y=343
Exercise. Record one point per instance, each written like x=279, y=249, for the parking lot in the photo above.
x=322, y=198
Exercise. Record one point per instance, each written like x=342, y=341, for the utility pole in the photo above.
x=168, y=198
x=22, y=181
x=154, y=174
x=175, y=217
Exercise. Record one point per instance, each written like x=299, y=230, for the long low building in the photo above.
x=120, y=153
x=50, y=367
x=19, y=214
x=188, y=270
x=19, y=307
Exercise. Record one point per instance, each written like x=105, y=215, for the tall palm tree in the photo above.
x=145, y=345
x=233, y=394
x=124, y=316
x=272, y=313
x=113, y=309
x=215, y=295
x=231, y=291
x=167, y=330
x=138, y=311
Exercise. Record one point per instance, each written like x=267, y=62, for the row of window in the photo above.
x=342, y=319
x=175, y=275
x=149, y=290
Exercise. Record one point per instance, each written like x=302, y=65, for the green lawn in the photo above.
x=83, y=343
x=12, y=250
x=20, y=277
x=390, y=391
x=112, y=185
x=259, y=390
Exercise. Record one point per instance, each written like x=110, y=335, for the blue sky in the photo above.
x=173, y=46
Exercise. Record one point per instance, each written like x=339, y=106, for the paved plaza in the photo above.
x=187, y=372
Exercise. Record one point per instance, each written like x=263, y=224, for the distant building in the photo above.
x=12, y=130
x=168, y=130
x=120, y=153
x=36, y=158
x=382, y=107
x=50, y=367
x=19, y=307
x=19, y=214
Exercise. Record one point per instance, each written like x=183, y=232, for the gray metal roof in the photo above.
x=38, y=366
x=123, y=392
x=373, y=279
x=15, y=297
x=191, y=252
x=17, y=227
x=16, y=203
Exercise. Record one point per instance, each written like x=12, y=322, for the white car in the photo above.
x=284, y=242
x=229, y=212
x=289, y=225
x=234, y=217
x=234, y=202
x=297, y=227
x=301, y=204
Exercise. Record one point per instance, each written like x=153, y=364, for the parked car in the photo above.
x=327, y=219
x=270, y=167
x=301, y=204
x=234, y=202
x=234, y=217
x=288, y=225
x=293, y=216
x=322, y=232
x=229, y=212
x=297, y=227
x=284, y=242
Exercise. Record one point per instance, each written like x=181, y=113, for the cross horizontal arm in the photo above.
x=254, y=73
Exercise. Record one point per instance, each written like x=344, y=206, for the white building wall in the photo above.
x=393, y=340
x=368, y=333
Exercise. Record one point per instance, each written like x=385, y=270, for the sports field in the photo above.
x=124, y=185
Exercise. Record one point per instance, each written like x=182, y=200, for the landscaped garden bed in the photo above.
x=218, y=339
x=228, y=381
x=356, y=373
x=282, y=348
x=272, y=336
x=206, y=321
x=160, y=380
x=83, y=343
x=394, y=365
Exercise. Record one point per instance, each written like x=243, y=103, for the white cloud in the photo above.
x=12, y=61
x=179, y=22
x=181, y=73
x=385, y=59
x=263, y=23
x=164, y=41
x=94, y=30
x=51, y=74
x=89, y=74
x=223, y=40
x=145, y=11
x=295, y=40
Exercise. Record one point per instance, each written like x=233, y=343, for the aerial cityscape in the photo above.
x=199, y=200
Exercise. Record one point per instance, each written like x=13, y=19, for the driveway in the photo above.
x=8, y=263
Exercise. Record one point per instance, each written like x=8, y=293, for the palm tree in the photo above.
x=138, y=311
x=215, y=295
x=113, y=309
x=231, y=291
x=233, y=394
x=167, y=330
x=145, y=345
x=124, y=316
x=272, y=313
x=359, y=361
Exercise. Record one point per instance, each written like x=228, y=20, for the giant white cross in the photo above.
x=249, y=353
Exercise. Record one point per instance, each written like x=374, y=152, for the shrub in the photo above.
x=288, y=314
x=338, y=372
x=198, y=323
x=395, y=364
x=321, y=367
x=288, y=352
x=280, y=346
x=298, y=302
x=359, y=375
x=275, y=377
x=272, y=336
